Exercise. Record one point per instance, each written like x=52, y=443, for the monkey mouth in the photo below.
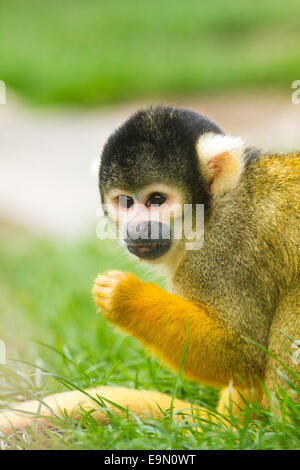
x=149, y=251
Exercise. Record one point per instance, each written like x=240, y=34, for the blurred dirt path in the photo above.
x=49, y=159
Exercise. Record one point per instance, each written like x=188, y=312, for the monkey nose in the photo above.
x=147, y=231
x=139, y=231
x=148, y=239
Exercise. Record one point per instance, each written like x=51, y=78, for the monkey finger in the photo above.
x=102, y=291
x=119, y=275
x=106, y=281
x=104, y=308
x=103, y=303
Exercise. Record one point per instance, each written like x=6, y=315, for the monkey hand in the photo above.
x=109, y=290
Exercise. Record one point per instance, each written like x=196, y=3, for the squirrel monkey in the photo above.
x=235, y=292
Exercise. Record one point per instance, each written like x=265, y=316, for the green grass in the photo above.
x=94, y=52
x=55, y=341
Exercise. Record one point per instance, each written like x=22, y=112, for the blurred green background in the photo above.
x=95, y=51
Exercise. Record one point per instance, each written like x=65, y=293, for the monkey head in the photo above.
x=159, y=160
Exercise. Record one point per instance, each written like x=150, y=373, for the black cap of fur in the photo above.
x=156, y=145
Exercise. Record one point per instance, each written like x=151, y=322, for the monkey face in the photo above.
x=145, y=219
x=149, y=170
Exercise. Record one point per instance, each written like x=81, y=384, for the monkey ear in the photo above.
x=221, y=161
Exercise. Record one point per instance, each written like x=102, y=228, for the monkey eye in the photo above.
x=125, y=202
x=156, y=198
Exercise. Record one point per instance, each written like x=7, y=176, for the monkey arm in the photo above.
x=159, y=320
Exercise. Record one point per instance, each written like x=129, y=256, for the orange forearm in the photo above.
x=159, y=320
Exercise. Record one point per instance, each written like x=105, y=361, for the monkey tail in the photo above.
x=100, y=402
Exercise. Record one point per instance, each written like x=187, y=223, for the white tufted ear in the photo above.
x=221, y=160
